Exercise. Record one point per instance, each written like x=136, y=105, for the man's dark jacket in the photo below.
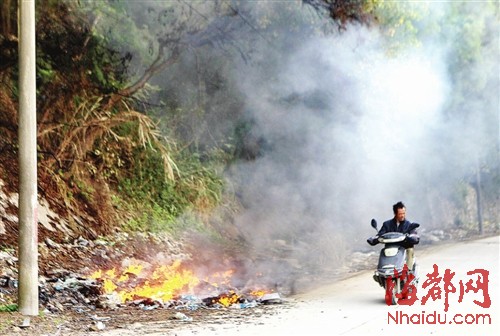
x=392, y=226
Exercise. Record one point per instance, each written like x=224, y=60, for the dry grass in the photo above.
x=90, y=124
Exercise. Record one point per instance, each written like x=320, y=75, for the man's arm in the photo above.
x=383, y=229
x=413, y=237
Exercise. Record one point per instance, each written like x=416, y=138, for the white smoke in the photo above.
x=348, y=132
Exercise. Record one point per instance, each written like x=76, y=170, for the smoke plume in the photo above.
x=346, y=131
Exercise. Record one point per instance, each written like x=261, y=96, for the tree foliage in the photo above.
x=91, y=143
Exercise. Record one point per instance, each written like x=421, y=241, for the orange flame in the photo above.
x=165, y=282
x=258, y=293
x=228, y=299
x=217, y=279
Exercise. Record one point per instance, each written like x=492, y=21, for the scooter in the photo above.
x=392, y=270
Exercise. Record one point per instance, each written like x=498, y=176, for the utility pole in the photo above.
x=28, y=200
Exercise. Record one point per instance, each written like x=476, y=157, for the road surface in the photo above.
x=356, y=306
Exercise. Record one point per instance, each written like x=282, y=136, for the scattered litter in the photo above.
x=97, y=326
x=102, y=319
x=26, y=323
x=182, y=317
x=271, y=298
x=244, y=305
x=152, y=307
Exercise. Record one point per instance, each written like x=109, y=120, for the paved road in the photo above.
x=356, y=306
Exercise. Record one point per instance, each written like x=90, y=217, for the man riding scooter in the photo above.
x=399, y=223
x=398, y=236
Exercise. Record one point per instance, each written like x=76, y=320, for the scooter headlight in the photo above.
x=391, y=252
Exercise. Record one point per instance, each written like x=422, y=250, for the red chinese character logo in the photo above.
x=408, y=294
x=402, y=287
x=433, y=281
x=435, y=291
x=448, y=287
x=481, y=284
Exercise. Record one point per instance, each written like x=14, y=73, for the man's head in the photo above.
x=399, y=211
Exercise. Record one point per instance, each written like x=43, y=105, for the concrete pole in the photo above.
x=28, y=223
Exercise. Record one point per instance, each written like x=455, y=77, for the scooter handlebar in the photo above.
x=373, y=240
x=392, y=237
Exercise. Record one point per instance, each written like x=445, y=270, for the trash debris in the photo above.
x=63, y=290
x=97, y=326
x=271, y=298
x=244, y=305
x=182, y=317
x=26, y=323
x=102, y=319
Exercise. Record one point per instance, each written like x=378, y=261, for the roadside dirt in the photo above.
x=80, y=324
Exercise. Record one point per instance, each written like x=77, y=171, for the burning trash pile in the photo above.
x=82, y=279
x=174, y=286
x=147, y=287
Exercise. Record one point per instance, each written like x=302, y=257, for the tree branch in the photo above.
x=158, y=65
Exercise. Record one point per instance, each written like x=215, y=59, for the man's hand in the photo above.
x=372, y=240
x=412, y=238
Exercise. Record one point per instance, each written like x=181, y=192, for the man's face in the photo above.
x=400, y=215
